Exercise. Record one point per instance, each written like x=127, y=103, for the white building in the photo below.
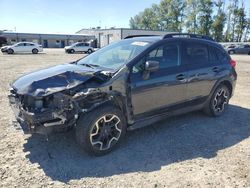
x=106, y=36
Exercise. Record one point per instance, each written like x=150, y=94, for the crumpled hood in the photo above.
x=53, y=79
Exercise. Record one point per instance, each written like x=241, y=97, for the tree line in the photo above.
x=224, y=20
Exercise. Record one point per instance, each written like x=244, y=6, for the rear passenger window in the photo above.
x=197, y=53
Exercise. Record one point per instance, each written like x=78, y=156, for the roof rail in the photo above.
x=133, y=36
x=187, y=35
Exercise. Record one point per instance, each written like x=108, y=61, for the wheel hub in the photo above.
x=221, y=98
x=106, y=132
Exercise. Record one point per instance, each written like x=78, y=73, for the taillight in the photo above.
x=232, y=63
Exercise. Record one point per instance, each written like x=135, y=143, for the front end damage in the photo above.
x=40, y=115
x=60, y=110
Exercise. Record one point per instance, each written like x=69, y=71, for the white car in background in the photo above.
x=79, y=47
x=22, y=47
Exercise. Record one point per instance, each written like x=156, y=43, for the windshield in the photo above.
x=116, y=54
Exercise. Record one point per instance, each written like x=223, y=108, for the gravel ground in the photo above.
x=191, y=150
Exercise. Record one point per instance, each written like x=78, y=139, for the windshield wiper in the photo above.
x=90, y=65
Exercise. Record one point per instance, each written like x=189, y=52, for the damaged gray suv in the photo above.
x=123, y=86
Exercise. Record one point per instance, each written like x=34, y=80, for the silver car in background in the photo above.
x=241, y=49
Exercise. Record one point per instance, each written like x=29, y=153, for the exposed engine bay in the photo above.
x=40, y=108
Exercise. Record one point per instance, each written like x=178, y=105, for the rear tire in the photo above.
x=101, y=130
x=35, y=51
x=10, y=51
x=218, y=102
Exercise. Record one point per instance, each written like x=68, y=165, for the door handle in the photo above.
x=180, y=77
x=215, y=69
x=201, y=74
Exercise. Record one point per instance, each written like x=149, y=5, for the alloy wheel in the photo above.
x=220, y=100
x=106, y=132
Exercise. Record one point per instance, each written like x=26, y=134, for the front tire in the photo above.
x=72, y=51
x=35, y=51
x=231, y=52
x=10, y=51
x=101, y=130
x=218, y=103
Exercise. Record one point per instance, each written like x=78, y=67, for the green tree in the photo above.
x=171, y=14
x=241, y=22
x=134, y=22
x=148, y=19
x=205, y=9
x=191, y=18
x=247, y=29
x=219, y=22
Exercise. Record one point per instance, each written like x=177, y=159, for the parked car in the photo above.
x=242, y=49
x=79, y=47
x=124, y=86
x=230, y=46
x=22, y=47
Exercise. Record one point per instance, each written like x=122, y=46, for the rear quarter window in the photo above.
x=215, y=54
x=196, y=53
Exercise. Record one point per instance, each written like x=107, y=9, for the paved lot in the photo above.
x=192, y=150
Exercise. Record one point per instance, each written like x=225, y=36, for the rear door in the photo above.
x=202, y=70
x=29, y=47
x=85, y=47
x=165, y=87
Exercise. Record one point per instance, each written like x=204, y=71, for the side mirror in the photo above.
x=151, y=66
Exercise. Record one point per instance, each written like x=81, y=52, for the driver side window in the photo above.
x=167, y=55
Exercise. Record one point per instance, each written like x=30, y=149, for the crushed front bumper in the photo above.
x=41, y=122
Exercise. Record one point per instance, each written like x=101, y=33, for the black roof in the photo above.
x=170, y=35
x=181, y=36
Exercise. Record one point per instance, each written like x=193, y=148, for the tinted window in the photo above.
x=212, y=54
x=166, y=55
x=29, y=44
x=216, y=54
x=196, y=53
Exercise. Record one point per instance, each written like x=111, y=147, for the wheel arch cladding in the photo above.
x=228, y=85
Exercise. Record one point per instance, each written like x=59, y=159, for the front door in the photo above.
x=19, y=47
x=163, y=88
